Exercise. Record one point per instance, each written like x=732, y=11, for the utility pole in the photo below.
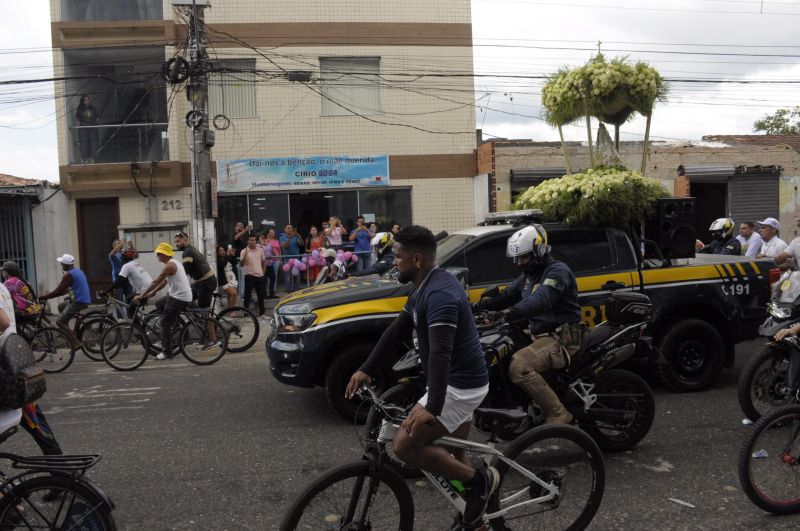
x=202, y=136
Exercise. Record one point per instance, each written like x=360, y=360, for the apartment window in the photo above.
x=95, y=10
x=350, y=85
x=232, y=89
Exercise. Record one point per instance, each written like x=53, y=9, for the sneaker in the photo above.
x=479, y=491
x=162, y=356
x=212, y=344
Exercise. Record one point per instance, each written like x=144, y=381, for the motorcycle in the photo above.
x=614, y=406
x=765, y=381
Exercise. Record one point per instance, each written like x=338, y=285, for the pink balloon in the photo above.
x=295, y=272
x=313, y=263
x=347, y=255
x=354, y=258
x=305, y=259
x=286, y=267
x=302, y=267
x=315, y=254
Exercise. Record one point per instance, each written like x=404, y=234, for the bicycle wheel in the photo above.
x=53, y=349
x=74, y=506
x=558, y=454
x=124, y=346
x=90, y=332
x=339, y=499
x=769, y=461
x=242, y=327
x=195, y=343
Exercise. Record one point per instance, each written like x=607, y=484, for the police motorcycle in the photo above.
x=614, y=406
x=769, y=378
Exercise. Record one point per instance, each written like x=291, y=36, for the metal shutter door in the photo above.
x=751, y=198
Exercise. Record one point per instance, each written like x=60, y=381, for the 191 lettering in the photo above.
x=172, y=204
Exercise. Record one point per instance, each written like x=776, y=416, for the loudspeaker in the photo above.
x=672, y=227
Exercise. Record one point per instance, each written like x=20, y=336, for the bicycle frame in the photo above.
x=493, y=454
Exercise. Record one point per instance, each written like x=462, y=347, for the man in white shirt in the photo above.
x=749, y=238
x=772, y=246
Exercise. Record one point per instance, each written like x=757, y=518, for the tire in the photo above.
x=53, y=349
x=618, y=437
x=124, y=346
x=761, y=381
x=25, y=502
x=398, y=515
x=90, y=332
x=695, y=353
x=404, y=395
x=338, y=375
x=764, y=459
x=242, y=326
x=551, y=451
x=193, y=341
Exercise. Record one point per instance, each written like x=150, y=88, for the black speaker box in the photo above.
x=673, y=227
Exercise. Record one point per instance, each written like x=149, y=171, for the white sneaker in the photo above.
x=162, y=356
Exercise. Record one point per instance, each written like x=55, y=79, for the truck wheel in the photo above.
x=336, y=379
x=694, y=351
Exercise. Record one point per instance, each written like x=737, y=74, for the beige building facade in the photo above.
x=288, y=80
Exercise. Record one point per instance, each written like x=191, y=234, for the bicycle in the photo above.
x=90, y=325
x=241, y=324
x=54, y=493
x=769, y=461
x=534, y=490
x=126, y=345
x=51, y=346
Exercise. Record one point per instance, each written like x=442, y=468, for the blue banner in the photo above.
x=290, y=173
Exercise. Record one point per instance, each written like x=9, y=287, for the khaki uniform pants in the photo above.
x=543, y=354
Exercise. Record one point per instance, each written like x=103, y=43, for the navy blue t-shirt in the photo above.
x=441, y=301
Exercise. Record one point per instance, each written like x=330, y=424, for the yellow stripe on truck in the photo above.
x=370, y=307
x=730, y=270
x=595, y=282
x=659, y=276
x=741, y=269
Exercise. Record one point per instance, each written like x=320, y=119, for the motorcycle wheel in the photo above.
x=762, y=380
x=403, y=395
x=613, y=436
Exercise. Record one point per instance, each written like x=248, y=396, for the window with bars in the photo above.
x=232, y=89
x=350, y=85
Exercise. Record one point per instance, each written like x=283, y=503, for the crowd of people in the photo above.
x=261, y=260
x=756, y=239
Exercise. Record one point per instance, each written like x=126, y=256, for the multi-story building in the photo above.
x=320, y=109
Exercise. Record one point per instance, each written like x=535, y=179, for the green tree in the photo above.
x=783, y=122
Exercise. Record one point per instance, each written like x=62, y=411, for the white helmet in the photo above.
x=531, y=240
x=722, y=227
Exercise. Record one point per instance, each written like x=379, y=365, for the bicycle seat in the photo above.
x=500, y=415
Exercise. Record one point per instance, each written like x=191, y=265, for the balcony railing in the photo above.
x=109, y=143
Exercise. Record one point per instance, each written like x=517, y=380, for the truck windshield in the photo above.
x=451, y=244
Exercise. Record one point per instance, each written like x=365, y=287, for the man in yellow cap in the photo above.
x=179, y=295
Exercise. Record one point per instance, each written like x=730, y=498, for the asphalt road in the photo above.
x=227, y=447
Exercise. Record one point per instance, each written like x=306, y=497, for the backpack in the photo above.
x=21, y=379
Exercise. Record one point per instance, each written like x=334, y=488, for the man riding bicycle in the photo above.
x=455, y=369
x=73, y=279
x=179, y=296
x=546, y=294
x=204, y=280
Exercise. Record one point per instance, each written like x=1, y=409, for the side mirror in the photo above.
x=461, y=274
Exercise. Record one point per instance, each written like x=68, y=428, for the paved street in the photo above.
x=226, y=447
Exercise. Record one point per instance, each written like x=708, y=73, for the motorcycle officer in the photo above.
x=724, y=242
x=546, y=294
x=382, y=243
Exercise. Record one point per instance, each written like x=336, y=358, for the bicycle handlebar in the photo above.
x=390, y=411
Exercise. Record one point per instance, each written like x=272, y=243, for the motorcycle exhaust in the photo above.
x=616, y=356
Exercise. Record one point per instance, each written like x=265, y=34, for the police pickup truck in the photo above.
x=702, y=306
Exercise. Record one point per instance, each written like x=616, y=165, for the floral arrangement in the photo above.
x=609, y=90
x=597, y=196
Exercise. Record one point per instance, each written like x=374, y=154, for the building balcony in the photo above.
x=123, y=142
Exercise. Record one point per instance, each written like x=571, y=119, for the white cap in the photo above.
x=771, y=222
x=66, y=259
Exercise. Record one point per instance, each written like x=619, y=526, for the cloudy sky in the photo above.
x=732, y=40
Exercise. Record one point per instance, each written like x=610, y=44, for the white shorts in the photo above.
x=459, y=404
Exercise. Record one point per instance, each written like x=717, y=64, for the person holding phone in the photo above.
x=334, y=233
x=362, y=237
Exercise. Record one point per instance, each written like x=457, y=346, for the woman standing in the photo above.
x=86, y=116
x=226, y=273
x=334, y=233
x=313, y=243
x=273, y=262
